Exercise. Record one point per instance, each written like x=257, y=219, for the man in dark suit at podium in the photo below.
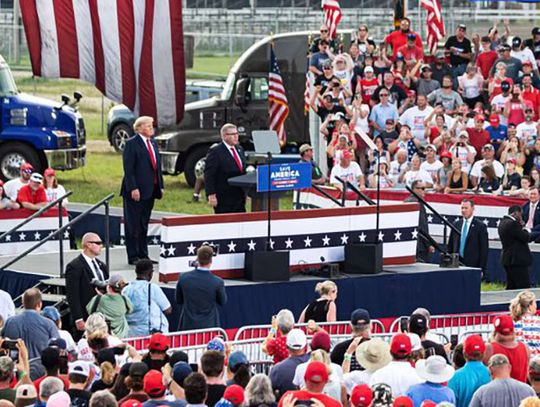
x=516, y=255
x=224, y=161
x=473, y=245
x=79, y=273
x=141, y=185
x=531, y=213
x=199, y=292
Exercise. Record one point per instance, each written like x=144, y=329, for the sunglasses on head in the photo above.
x=324, y=31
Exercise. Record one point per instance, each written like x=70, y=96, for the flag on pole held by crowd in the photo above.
x=307, y=95
x=434, y=23
x=332, y=16
x=132, y=50
x=277, y=99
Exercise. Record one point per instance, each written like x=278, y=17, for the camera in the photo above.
x=99, y=285
x=303, y=403
x=10, y=346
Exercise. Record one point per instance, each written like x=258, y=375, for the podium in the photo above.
x=259, y=200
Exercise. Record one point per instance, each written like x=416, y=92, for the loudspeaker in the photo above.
x=267, y=266
x=363, y=258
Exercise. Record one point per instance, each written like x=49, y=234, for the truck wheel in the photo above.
x=120, y=134
x=13, y=156
x=194, y=161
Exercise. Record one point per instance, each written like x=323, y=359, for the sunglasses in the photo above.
x=362, y=29
x=27, y=171
x=98, y=242
x=384, y=94
x=324, y=31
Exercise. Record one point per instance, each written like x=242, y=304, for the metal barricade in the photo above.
x=455, y=324
x=387, y=337
x=338, y=328
x=182, y=339
x=484, y=333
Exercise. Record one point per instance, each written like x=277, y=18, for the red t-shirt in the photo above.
x=433, y=134
x=478, y=139
x=517, y=357
x=516, y=114
x=497, y=87
x=26, y=194
x=306, y=395
x=368, y=88
x=485, y=61
x=532, y=97
x=398, y=38
x=411, y=53
x=277, y=348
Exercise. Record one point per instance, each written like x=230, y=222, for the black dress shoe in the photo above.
x=153, y=261
x=133, y=261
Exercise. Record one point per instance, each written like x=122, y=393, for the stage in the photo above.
x=397, y=291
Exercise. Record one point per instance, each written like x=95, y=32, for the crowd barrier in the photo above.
x=184, y=339
x=484, y=333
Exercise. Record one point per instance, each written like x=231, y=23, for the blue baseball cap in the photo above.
x=237, y=358
x=181, y=370
x=216, y=344
x=51, y=313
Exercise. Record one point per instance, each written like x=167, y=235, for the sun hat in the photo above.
x=434, y=369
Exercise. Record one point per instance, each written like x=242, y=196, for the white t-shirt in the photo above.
x=362, y=123
x=432, y=168
x=523, y=55
x=398, y=375
x=11, y=188
x=476, y=170
x=396, y=169
x=7, y=308
x=498, y=102
x=527, y=131
x=414, y=118
x=356, y=377
x=420, y=175
x=55, y=193
x=462, y=153
x=351, y=173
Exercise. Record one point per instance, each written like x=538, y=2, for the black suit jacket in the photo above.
x=515, y=243
x=138, y=169
x=535, y=232
x=79, y=292
x=219, y=167
x=423, y=226
x=476, y=245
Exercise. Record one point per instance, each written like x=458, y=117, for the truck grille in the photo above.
x=81, y=132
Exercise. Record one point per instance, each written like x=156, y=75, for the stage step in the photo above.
x=54, y=298
x=57, y=282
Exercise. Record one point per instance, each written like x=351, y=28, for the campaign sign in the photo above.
x=284, y=177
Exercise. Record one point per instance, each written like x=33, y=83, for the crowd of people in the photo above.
x=41, y=365
x=464, y=119
x=31, y=190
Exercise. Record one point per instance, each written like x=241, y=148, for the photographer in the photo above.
x=9, y=369
x=113, y=305
x=150, y=305
x=199, y=292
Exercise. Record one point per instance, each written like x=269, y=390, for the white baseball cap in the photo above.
x=296, y=339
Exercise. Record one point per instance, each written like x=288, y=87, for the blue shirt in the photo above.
x=33, y=329
x=467, y=380
x=380, y=113
x=138, y=319
x=282, y=374
x=435, y=392
x=497, y=134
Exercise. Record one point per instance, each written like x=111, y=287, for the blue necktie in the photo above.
x=463, y=239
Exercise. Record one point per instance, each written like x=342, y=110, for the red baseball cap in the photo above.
x=474, y=343
x=347, y=154
x=361, y=396
x=480, y=117
x=504, y=324
x=321, y=340
x=49, y=171
x=527, y=63
x=26, y=167
x=316, y=372
x=234, y=394
x=159, y=342
x=401, y=345
x=153, y=383
x=403, y=401
x=131, y=403
x=446, y=154
x=494, y=119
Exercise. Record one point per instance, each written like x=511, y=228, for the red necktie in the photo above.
x=152, y=158
x=237, y=159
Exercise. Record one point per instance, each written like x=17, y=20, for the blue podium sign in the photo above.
x=284, y=177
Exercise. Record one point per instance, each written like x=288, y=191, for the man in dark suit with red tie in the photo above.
x=224, y=161
x=79, y=274
x=141, y=185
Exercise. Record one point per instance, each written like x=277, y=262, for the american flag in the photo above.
x=131, y=50
x=277, y=99
x=307, y=96
x=435, y=24
x=332, y=15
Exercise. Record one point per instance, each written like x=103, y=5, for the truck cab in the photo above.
x=244, y=102
x=37, y=130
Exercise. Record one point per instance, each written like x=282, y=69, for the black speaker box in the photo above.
x=267, y=266
x=363, y=258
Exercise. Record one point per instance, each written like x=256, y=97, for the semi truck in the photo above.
x=244, y=102
x=39, y=131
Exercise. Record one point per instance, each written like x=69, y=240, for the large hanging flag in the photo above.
x=332, y=15
x=277, y=99
x=132, y=50
x=434, y=23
